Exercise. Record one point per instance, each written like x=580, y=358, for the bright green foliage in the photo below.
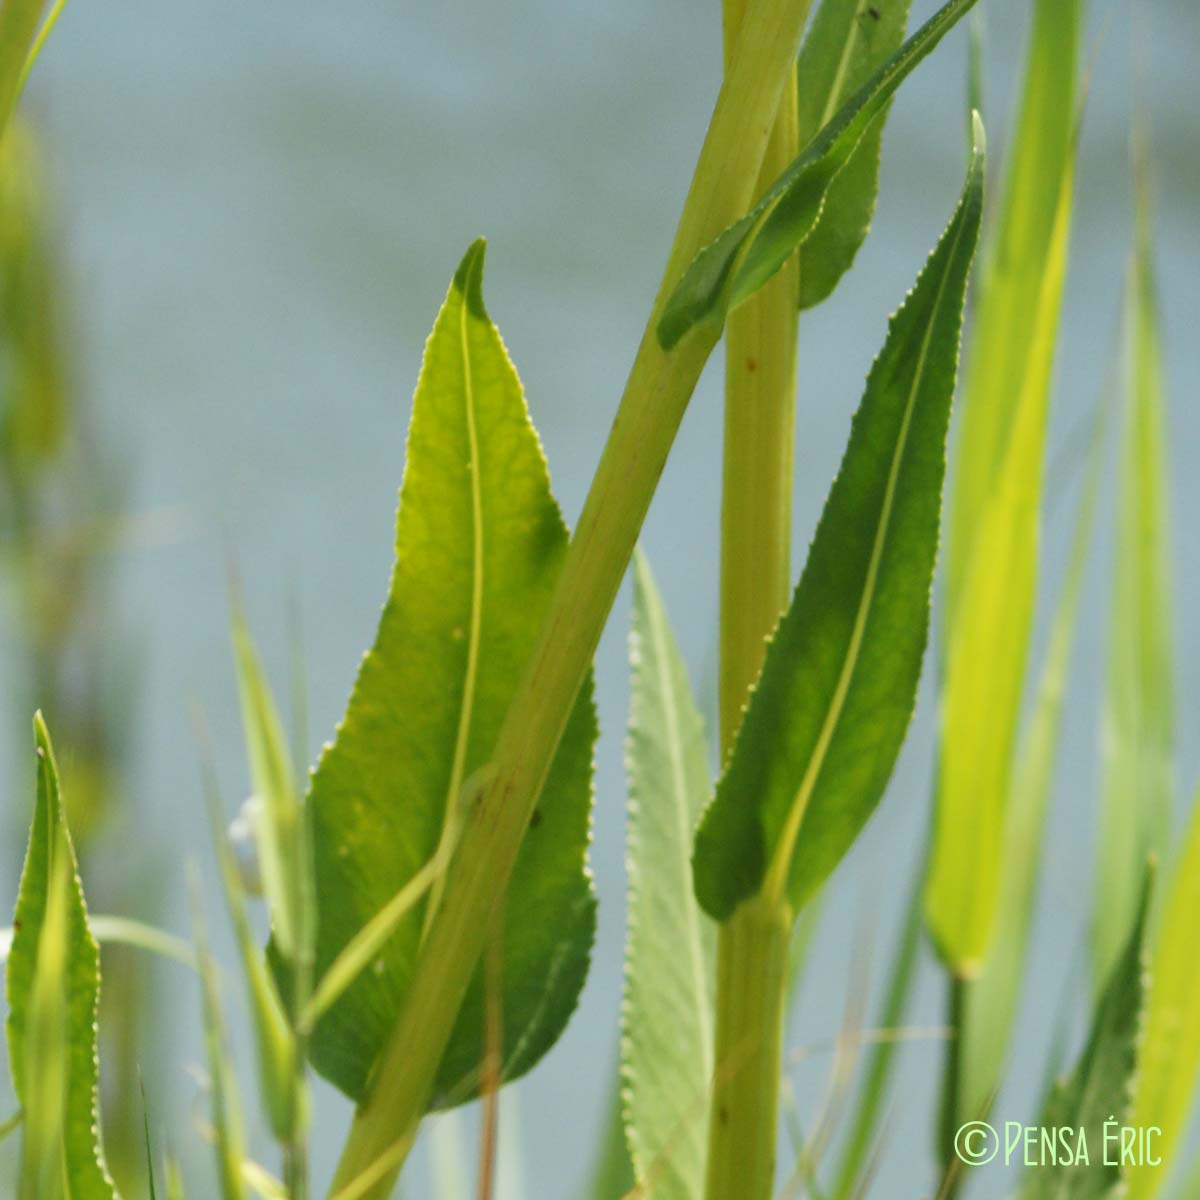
x=273, y=1039
x=53, y=986
x=749, y=252
x=1098, y=1090
x=828, y=716
x=1138, y=729
x=1169, y=1060
x=670, y=957
x=990, y=1000
x=479, y=542
x=228, y=1136
x=991, y=568
x=846, y=42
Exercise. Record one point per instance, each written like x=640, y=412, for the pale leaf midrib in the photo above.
x=450, y=816
x=776, y=882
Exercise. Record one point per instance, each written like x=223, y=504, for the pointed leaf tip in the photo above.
x=468, y=279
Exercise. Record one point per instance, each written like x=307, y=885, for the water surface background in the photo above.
x=262, y=205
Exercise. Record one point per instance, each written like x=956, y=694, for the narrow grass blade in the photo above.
x=994, y=521
x=667, y=1024
x=750, y=251
x=831, y=708
x=1098, y=1089
x=989, y=1003
x=1138, y=720
x=1169, y=1065
x=53, y=982
x=280, y=832
x=280, y=1088
x=125, y=931
x=229, y=1140
x=150, y=1173
x=846, y=42
x=479, y=544
x=863, y=1126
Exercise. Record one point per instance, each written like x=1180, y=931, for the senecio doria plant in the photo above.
x=431, y=912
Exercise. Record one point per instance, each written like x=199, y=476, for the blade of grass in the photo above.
x=990, y=1000
x=863, y=1125
x=19, y=20
x=1138, y=720
x=1169, y=1065
x=226, y=1108
x=993, y=519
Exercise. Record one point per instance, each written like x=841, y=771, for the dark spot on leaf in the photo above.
x=723, y=1114
x=751, y=365
x=536, y=819
x=874, y=12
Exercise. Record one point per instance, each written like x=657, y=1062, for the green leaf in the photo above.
x=827, y=718
x=670, y=955
x=750, y=251
x=1169, y=1059
x=280, y=834
x=847, y=41
x=611, y=1174
x=53, y=986
x=279, y=1088
x=1138, y=719
x=993, y=520
x=229, y=1137
x=479, y=544
x=990, y=1000
x=1098, y=1090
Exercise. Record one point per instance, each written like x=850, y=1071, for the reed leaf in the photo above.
x=53, y=988
x=670, y=955
x=847, y=41
x=1138, y=720
x=750, y=251
x=831, y=708
x=479, y=543
x=994, y=517
x=1169, y=1064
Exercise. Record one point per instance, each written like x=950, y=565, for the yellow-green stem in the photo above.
x=502, y=799
x=760, y=390
x=751, y=987
x=19, y=21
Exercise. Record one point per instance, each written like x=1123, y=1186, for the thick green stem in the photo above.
x=751, y=990
x=504, y=794
x=760, y=390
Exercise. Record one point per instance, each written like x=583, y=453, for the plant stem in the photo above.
x=751, y=991
x=760, y=391
x=501, y=802
x=19, y=21
x=950, y=1115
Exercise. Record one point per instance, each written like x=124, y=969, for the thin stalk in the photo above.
x=950, y=1115
x=499, y=807
x=756, y=506
x=19, y=22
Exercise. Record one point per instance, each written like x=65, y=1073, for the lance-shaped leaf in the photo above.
x=670, y=955
x=989, y=1002
x=846, y=42
x=1095, y=1096
x=1169, y=1059
x=51, y=896
x=829, y=713
x=993, y=520
x=1138, y=718
x=479, y=543
x=749, y=252
x=19, y=21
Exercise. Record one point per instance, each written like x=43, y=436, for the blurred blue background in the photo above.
x=261, y=207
